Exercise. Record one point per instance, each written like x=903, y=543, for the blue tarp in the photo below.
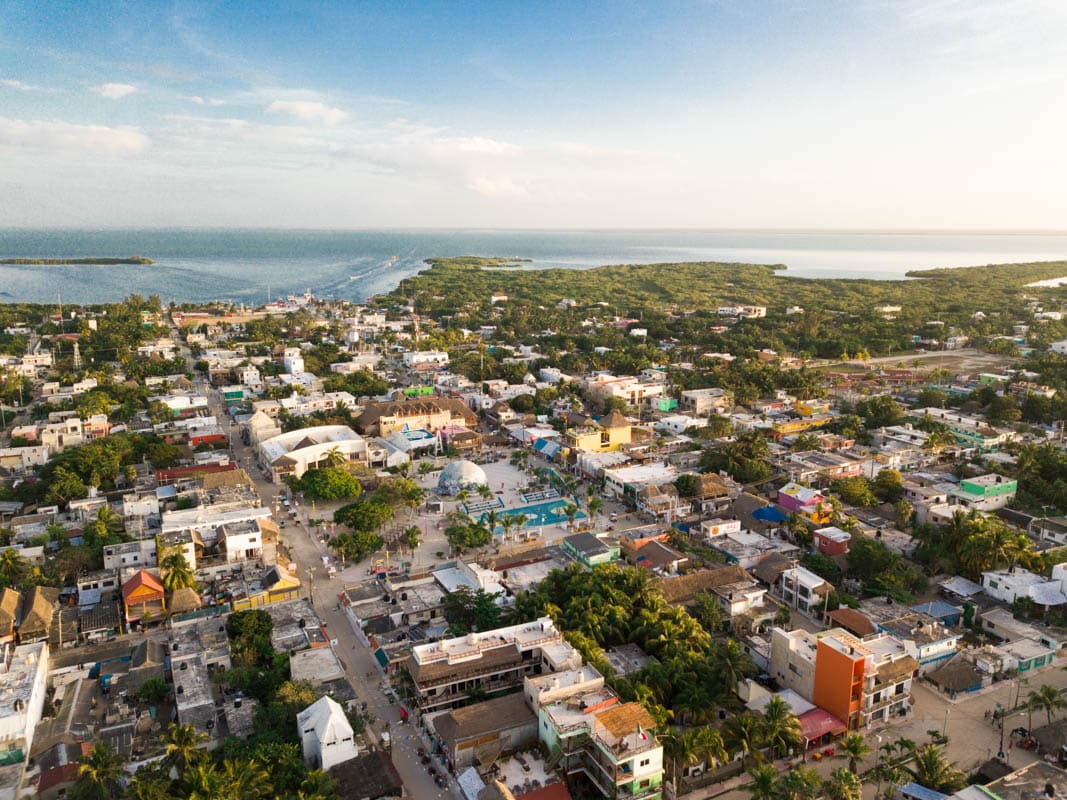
x=769, y=514
x=546, y=447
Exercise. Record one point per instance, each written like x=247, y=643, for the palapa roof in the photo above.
x=442, y=672
x=500, y=713
x=368, y=776
x=9, y=609
x=184, y=600
x=614, y=420
x=38, y=607
x=684, y=588
x=624, y=719
x=895, y=671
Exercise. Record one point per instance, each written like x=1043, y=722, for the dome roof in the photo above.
x=461, y=475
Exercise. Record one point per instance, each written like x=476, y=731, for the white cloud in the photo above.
x=19, y=86
x=489, y=186
x=307, y=110
x=202, y=101
x=113, y=91
x=53, y=134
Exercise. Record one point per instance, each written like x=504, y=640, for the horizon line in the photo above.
x=579, y=229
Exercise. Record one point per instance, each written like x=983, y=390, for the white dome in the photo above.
x=461, y=475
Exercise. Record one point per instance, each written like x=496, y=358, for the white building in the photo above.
x=23, y=685
x=1008, y=585
x=425, y=358
x=295, y=452
x=293, y=361
x=326, y=734
x=801, y=589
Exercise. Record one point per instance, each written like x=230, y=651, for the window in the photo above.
x=644, y=762
x=644, y=784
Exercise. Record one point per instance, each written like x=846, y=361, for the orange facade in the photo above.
x=839, y=681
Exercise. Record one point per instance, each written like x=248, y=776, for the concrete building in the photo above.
x=704, y=402
x=484, y=731
x=802, y=589
x=862, y=682
x=294, y=453
x=986, y=493
x=23, y=685
x=446, y=672
x=325, y=734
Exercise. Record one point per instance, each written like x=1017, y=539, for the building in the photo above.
x=589, y=549
x=924, y=638
x=862, y=682
x=143, y=597
x=294, y=453
x=612, y=744
x=704, y=402
x=606, y=435
x=1008, y=585
x=986, y=493
x=423, y=413
x=738, y=592
x=809, y=503
x=23, y=685
x=831, y=541
x=193, y=691
x=802, y=589
x=484, y=731
x=326, y=734
x=445, y=673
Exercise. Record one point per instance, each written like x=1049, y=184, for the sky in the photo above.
x=828, y=114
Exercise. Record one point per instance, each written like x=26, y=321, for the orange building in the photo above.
x=143, y=597
x=840, y=668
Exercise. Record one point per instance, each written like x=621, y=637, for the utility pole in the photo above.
x=311, y=585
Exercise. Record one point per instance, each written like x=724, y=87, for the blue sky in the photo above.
x=775, y=113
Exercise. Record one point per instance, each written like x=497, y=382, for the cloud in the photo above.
x=201, y=101
x=113, y=91
x=489, y=186
x=307, y=110
x=19, y=86
x=54, y=134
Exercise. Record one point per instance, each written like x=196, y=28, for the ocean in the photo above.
x=247, y=266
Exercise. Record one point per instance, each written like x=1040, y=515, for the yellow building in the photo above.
x=609, y=434
x=275, y=586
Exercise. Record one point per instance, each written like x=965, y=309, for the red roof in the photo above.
x=170, y=475
x=141, y=578
x=554, y=791
x=817, y=723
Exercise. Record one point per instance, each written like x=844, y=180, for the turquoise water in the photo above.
x=550, y=512
x=244, y=266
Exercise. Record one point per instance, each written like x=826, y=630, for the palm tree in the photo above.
x=680, y=752
x=98, y=774
x=1047, y=699
x=781, y=728
x=743, y=733
x=490, y=519
x=176, y=572
x=12, y=567
x=183, y=746
x=842, y=785
x=571, y=511
x=150, y=786
x=519, y=521
x=764, y=783
x=594, y=505
x=709, y=747
x=111, y=521
x=205, y=782
x=334, y=458
x=930, y=768
x=853, y=747
x=245, y=780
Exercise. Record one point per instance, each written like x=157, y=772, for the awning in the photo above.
x=818, y=723
x=546, y=447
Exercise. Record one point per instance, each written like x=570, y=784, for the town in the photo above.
x=488, y=538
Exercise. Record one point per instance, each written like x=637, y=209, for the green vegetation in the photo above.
x=694, y=675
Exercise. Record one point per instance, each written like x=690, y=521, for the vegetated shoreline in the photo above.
x=89, y=262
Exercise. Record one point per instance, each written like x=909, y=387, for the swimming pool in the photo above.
x=549, y=512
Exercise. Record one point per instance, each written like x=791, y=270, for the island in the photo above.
x=92, y=262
